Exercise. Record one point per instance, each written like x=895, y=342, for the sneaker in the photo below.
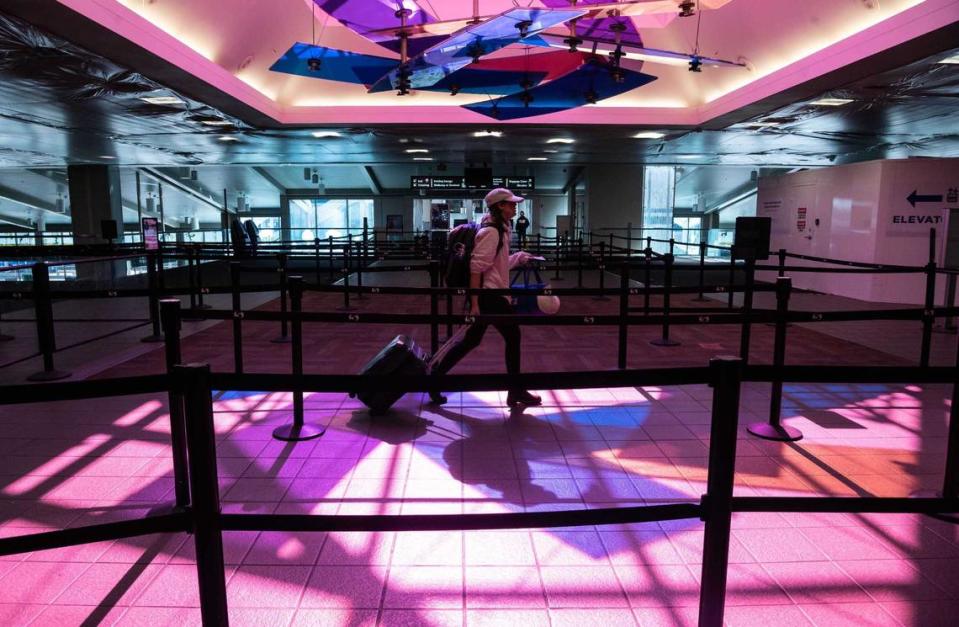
x=523, y=398
x=437, y=399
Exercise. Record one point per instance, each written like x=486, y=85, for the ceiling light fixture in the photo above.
x=560, y=140
x=105, y=157
x=536, y=158
x=163, y=101
x=649, y=135
x=950, y=60
x=216, y=122
x=687, y=8
x=830, y=102
x=488, y=133
x=422, y=158
x=325, y=134
x=551, y=152
x=228, y=138
x=412, y=151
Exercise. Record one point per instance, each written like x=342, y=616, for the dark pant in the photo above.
x=488, y=304
x=521, y=237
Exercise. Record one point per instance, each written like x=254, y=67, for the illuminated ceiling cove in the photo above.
x=261, y=54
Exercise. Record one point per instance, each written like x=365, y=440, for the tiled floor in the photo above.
x=74, y=464
x=68, y=466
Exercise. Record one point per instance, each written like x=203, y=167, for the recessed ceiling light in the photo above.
x=325, y=134
x=649, y=135
x=412, y=151
x=830, y=102
x=228, y=138
x=687, y=156
x=488, y=134
x=216, y=122
x=163, y=100
x=536, y=158
x=760, y=124
x=560, y=140
x=951, y=60
x=551, y=152
x=105, y=157
x=422, y=158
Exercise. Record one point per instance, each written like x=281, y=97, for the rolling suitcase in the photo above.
x=402, y=357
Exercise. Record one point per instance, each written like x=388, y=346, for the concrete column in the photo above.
x=614, y=195
x=94, y=196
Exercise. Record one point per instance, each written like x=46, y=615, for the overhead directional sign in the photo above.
x=459, y=182
x=915, y=197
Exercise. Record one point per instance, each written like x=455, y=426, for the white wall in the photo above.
x=864, y=215
x=542, y=212
x=614, y=196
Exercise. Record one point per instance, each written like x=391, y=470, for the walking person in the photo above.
x=489, y=264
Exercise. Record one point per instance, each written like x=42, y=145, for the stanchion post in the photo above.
x=667, y=289
x=623, y=314
x=611, y=248
x=207, y=530
x=316, y=258
x=648, y=254
x=346, y=280
x=672, y=245
x=559, y=256
x=332, y=270
x=434, y=307
x=281, y=267
x=360, y=264
x=629, y=240
x=366, y=234
x=46, y=334
x=726, y=378
x=153, y=300
x=170, y=314
x=774, y=429
x=732, y=280
x=649, y=242
x=191, y=276
x=928, y=314
x=702, y=273
x=950, y=483
x=579, y=262
x=602, y=272
x=782, y=262
x=298, y=430
x=237, y=317
x=199, y=280
x=746, y=328
x=449, y=312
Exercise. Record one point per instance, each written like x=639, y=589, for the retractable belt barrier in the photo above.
x=199, y=510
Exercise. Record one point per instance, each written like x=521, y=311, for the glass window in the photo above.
x=329, y=217
x=270, y=229
x=687, y=235
x=658, y=189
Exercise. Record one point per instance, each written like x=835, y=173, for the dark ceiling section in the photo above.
x=62, y=104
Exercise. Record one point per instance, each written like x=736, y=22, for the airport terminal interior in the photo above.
x=244, y=244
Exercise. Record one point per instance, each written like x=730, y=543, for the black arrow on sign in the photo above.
x=913, y=198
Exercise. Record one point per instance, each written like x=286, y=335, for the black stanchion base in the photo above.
x=52, y=375
x=664, y=341
x=6, y=338
x=780, y=433
x=281, y=340
x=152, y=339
x=294, y=433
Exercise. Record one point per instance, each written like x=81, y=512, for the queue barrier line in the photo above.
x=204, y=517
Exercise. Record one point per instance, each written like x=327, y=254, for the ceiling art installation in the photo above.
x=527, y=61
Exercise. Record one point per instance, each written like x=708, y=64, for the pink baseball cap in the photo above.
x=499, y=195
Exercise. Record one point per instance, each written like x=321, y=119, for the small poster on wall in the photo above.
x=394, y=222
x=151, y=240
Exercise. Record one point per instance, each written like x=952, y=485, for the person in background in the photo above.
x=522, y=224
x=490, y=263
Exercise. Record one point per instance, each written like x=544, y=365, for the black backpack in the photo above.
x=459, y=249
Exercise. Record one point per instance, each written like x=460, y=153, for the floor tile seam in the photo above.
x=920, y=578
x=72, y=581
x=765, y=568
